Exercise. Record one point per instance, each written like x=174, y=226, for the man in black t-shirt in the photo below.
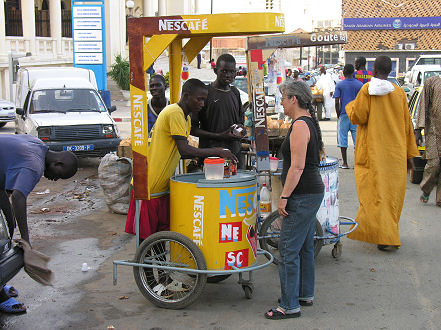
x=223, y=108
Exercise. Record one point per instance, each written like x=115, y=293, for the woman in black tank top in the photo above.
x=302, y=194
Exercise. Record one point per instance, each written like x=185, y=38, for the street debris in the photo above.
x=84, y=267
x=47, y=191
x=123, y=297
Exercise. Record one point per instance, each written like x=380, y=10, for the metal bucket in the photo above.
x=218, y=215
x=328, y=212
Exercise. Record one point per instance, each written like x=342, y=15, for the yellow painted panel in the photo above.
x=214, y=24
x=155, y=46
x=221, y=222
x=139, y=114
x=194, y=46
x=175, y=66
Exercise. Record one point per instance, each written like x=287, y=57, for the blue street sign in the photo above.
x=89, y=38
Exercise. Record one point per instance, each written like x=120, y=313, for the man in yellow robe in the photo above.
x=385, y=144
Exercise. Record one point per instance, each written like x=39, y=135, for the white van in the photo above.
x=422, y=61
x=62, y=107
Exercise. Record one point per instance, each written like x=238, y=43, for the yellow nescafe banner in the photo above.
x=218, y=215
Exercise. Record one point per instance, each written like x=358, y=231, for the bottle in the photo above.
x=265, y=201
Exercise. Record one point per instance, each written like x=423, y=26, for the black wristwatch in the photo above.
x=283, y=197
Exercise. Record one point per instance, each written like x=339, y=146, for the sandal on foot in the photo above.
x=301, y=302
x=278, y=315
x=12, y=306
x=345, y=167
x=11, y=291
x=424, y=198
x=387, y=247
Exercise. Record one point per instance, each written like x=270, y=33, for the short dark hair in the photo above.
x=348, y=70
x=160, y=77
x=192, y=85
x=383, y=64
x=227, y=58
x=70, y=164
x=361, y=61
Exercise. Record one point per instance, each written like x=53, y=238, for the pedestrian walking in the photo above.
x=199, y=60
x=327, y=85
x=384, y=148
x=302, y=194
x=429, y=119
x=362, y=74
x=345, y=92
x=24, y=160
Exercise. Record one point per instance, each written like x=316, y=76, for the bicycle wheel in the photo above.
x=270, y=233
x=169, y=288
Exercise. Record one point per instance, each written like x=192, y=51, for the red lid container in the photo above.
x=214, y=160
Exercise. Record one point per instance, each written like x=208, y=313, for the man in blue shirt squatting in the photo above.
x=345, y=92
x=23, y=161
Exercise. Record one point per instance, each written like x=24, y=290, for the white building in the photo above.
x=44, y=29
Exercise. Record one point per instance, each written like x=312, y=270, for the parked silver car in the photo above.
x=7, y=112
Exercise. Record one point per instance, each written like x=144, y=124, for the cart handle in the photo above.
x=194, y=271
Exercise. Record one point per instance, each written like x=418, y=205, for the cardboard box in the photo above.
x=124, y=151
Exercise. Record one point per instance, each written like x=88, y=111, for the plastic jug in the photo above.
x=265, y=201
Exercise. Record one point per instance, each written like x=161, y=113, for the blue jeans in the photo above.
x=344, y=125
x=296, y=247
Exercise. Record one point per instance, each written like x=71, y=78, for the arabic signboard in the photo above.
x=392, y=23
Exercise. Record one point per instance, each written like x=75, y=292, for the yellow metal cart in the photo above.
x=212, y=223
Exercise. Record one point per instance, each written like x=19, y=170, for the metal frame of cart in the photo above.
x=164, y=252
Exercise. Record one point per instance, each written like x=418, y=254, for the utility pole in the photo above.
x=211, y=43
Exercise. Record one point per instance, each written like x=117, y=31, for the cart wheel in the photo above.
x=248, y=289
x=270, y=233
x=337, y=250
x=169, y=288
x=318, y=243
x=217, y=278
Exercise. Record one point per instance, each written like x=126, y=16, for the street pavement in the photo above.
x=364, y=289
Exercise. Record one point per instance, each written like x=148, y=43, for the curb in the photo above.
x=119, y=120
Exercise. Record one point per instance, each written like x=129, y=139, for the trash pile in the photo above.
x=115, y=174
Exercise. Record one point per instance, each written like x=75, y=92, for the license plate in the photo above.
x=86, y=147
x=11, y=114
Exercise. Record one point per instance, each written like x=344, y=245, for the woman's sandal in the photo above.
x=424, y=198
x=12, y=306
x=10, y=291
x=278, y=315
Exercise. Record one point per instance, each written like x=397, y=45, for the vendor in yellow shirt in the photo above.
x=169, y=144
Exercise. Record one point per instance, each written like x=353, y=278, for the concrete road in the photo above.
x=365, y=288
